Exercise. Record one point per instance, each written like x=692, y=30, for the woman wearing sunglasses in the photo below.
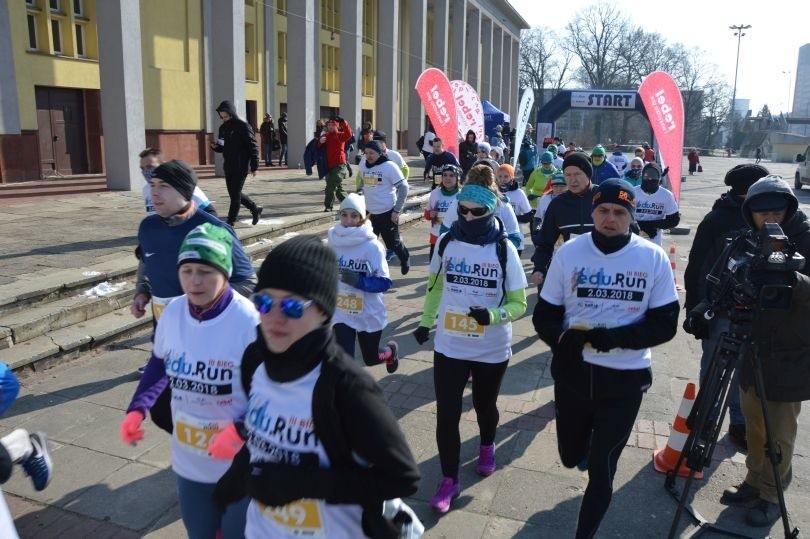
x=322, y=451
x=197, y=353
x=364, y=276
x=476, y=298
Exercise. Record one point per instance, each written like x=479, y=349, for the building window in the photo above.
x=54, y=5
x=282, y=58
x=368, y=76
x=56, y=34
x=330, y=15
x=250, y=52
x=31, y=3
x=369, y=21
x=78, y=8
x=281, y=7
x=80, y=51
x=32, y=33
x=330, y=68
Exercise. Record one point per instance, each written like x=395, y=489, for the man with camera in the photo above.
x=778, y=336
x=725, y=219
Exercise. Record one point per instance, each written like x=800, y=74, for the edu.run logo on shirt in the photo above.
x=211, y=378
x=352, y=264
x=597, y=284
x=484, y=275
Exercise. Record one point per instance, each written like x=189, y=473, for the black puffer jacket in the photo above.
x=567, y=214
x=724, y=220
x=238, y=143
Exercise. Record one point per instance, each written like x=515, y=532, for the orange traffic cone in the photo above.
x=665, y=459
x=672, y=260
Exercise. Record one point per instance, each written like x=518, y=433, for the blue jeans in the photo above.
x=201, y=516
x=717, y=326
x=268, y=153
x=282, y=155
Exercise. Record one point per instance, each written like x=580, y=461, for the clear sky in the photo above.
x=769, y=47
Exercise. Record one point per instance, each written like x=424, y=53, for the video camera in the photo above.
x=758, y=272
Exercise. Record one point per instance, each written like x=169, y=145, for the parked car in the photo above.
x=802, y=169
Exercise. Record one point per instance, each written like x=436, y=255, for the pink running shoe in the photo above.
x=449, y=489
x=486, y=460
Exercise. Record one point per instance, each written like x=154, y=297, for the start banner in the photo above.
x=437, y=98
x=664, y=105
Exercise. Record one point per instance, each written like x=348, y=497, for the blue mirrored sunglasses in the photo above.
x=292, y=308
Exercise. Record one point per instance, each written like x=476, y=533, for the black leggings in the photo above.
x=597, y=429
x=234, y=183
x=369, y=342
x=382, y=224
x=449, y=380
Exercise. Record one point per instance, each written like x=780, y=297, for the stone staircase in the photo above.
x=55, y=317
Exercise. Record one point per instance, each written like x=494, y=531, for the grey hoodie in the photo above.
x=770, y=184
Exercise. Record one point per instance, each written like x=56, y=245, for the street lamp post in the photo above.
x=739, y=33
x=790, y=80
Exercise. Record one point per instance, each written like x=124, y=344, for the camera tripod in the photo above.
x=712, y=397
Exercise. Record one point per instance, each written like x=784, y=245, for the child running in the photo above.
x=364, y=278
x=516, y=198
x=440, y=200
x=197, y=353
x=475, y=313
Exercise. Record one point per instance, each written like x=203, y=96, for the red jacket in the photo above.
x=335, y=145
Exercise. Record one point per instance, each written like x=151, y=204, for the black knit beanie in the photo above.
x=741, y=177
x=179, y=175
x=305, y=266
x=579, y=160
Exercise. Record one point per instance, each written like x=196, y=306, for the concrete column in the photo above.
x=416, y=114
x=459, y=49
x=9, y=107
x=227, y=61
x=496, y=59
x=441, y=21
x=351, y=67
x=316, y=74
x=506, y=75
x=385, y=94
x=486, y=59
x=211, y=120
x=473, y=46
x=122, y=119
x=270, y=60
x=515, y=86
x=301, y=94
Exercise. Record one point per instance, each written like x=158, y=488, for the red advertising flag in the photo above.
x=664, y=106
x=469, y=110
x=437, y=97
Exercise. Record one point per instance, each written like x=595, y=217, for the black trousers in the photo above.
x=383, y=226
x=234, y=183
x=597, y=424
x=449, y=380
x=369, y=342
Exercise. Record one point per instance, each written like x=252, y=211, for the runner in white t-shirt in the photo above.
x=364, y=278
x=440, y=200
x=656, y=209
x=475, y=289
x=197, y=352
x=516, y=198
x=608, y=297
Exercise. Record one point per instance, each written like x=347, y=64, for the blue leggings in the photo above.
x=202, y=517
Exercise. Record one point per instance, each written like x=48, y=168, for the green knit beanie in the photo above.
x=208, y=244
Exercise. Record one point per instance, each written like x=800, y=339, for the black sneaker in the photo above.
x=392, y=363
x=142, y=369
x=257, y=214
x=764, y=513
x=326, y=210
x=740, y=494
x=405, y=267
x=736, y=434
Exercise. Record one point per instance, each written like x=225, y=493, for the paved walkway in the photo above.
x=102, y=488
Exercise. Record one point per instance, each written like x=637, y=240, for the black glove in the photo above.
x=600, y=339
x=351, y=278
x=531, y=197
x=696, y=324
x=480, y=315
x=231, y=486
x=651, y=231
x=571, y=343
x=422, y=334
x=339, y=119
x=567, y=355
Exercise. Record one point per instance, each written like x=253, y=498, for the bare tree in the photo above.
x=716, y=107
x=542, y=63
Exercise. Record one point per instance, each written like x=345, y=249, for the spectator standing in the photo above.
x=282, y=139
x=334, y=140
x=694, y=160
x=268, y=133
x=237, y=144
